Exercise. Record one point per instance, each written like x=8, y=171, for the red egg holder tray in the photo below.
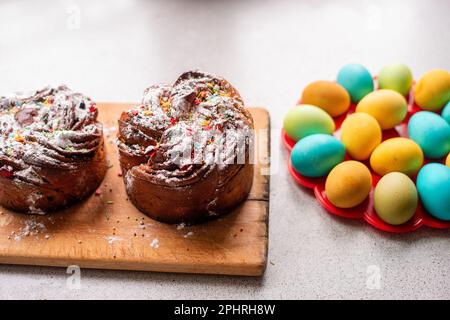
x=365, y=210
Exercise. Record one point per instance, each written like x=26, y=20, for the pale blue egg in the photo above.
x=317, y=154
x=431, y=132
x=433, y=185
x=446, y=112
x=357, y=80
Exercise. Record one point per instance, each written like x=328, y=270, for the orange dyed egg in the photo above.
x=327, y=95
x=348, y=184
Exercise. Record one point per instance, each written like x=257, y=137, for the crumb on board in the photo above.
x=112, y=239
x=189, y=234
x=181, y=226
x=155, y=244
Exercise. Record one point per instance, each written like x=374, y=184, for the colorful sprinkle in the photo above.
x=19, y=138
x=6, y=173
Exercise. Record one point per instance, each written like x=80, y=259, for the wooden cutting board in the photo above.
x=107, y=232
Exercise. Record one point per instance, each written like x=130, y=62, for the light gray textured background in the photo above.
x=270, y=51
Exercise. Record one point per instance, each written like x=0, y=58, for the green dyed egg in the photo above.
x=395, y=198
x=397, y=77
x=304, y=120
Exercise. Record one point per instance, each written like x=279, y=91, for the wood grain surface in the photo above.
x=107, y=232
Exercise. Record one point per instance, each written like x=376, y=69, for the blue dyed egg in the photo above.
x=446, y=112
x=315, y=155
x=433, y=184
x=431, y=133
x=357, y=80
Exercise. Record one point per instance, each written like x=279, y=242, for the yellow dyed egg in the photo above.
x=397, y=154
x=447, y=162
x=432, y=91
x=395, y=198
x=348, y=184
x=360, y=134
x=327, y=95
x=387, y=106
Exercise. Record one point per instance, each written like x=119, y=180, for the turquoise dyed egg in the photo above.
x=446, y=112
x=431, y=132
x=433, y=185
x=357, y=80
x=315, y=155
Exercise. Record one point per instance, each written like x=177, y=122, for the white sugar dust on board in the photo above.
x=31, y=228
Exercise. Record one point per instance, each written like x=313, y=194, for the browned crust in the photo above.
x=202, y=193
x=62, y=187
x=197, y=202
